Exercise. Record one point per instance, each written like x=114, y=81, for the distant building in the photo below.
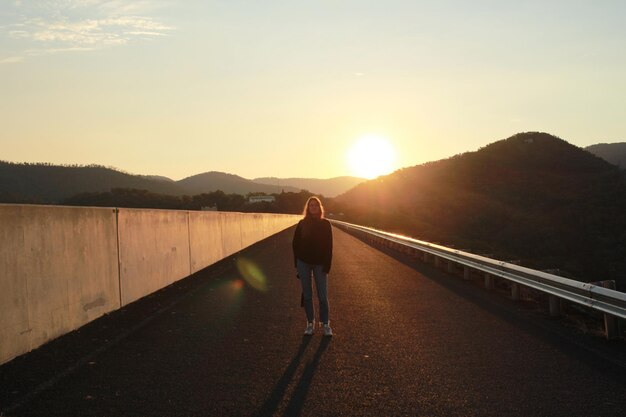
x=261, y=199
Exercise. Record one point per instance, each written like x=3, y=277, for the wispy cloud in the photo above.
x=57, y=26
x=12, y=60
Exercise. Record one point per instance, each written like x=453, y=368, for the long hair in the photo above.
x=307, y=214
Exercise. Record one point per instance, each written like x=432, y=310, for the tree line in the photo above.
x=285, y=202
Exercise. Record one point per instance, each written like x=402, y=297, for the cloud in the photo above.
x=130, y=7
x=52, y=51
x=144, y=33
x=41, y=52
x=12, y=60
x=57, y=26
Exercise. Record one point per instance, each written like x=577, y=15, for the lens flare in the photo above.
x=252, y=274
x=237, y=284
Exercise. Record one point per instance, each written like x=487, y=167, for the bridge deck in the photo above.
x=408, y=341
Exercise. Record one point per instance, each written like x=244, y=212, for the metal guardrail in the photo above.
x=604, y=300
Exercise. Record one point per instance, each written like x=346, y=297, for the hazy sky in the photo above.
x=285, y=88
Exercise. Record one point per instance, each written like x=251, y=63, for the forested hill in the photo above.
x=46, y=183
x=532, y=197
x=52, y=184
x=330, y=187
x=614, y=153
x=213, y=180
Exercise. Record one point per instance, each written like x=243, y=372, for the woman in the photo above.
x=313, y=252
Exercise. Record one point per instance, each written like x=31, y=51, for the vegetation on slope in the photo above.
x=532, y=197
x=49, y=184
x=614, y=153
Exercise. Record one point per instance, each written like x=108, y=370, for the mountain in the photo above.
x=532, y=197
x=157, y=177
x=330, y=187
x=50, y=184
x=229, y=183
x=614, y=153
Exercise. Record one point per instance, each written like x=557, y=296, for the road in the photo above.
x=409, y=341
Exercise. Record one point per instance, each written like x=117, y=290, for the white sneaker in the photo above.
x=309, y=329
x=327, y=330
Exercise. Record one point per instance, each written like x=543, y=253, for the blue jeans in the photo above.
x=304, y=272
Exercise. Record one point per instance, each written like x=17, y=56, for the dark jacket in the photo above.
x=316, y=246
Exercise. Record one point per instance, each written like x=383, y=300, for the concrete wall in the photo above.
x=231, y=233
x=58, y=271
x=205, y=236
x=61, y=267
x=252, y=229
x=153, y=250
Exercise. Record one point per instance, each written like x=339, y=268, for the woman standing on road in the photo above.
x=313, y=253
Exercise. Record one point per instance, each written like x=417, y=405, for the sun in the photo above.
x=371, y=156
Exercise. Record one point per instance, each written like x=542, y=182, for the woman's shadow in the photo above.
x=300, y=392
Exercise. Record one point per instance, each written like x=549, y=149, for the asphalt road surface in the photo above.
x=409, y=341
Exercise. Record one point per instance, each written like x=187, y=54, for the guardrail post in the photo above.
x=437, y=261
x=488, y=281
x=450, y=266
x=515, y=291
x=611, y=326
x=555, y=306
x=466, y=272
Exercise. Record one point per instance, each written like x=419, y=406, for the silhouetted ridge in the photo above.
x=532, y=196
x=330, y=187
x=213, y=180
x=47, y=183
x=614, y=153
x=52, y=184
x=540, y=151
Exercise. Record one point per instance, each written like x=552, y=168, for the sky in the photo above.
x=287, y=88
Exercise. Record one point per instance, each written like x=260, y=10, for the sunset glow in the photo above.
x=371, y=156
x=284, y=89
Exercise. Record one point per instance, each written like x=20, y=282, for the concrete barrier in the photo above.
x=58, y=271
x=61, y=267
x=154, y=250
x=231, y=233
x=205, y=237
x=252, y=229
